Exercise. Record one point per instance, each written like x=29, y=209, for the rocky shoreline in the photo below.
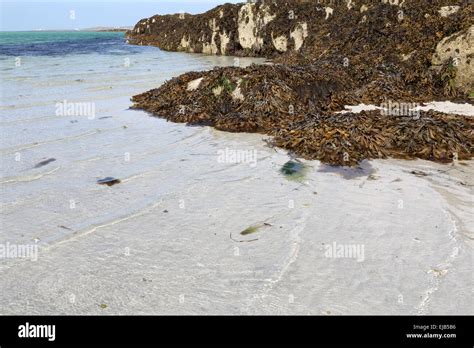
x=401, y=53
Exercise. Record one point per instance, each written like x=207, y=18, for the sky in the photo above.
x=21, y=15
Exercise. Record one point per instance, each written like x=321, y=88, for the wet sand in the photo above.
x=163, y=240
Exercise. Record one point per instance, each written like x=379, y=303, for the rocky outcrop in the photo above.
x=267, y=28
x=421, y=34
x=325, y=54
x=250, y=29
x=457, y=50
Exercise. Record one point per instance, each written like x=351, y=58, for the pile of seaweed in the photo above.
x=252, y=99
x=350, y=138
x=296, y=106
x=375, y=56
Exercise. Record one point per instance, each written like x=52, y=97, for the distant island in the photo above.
x=110, y=29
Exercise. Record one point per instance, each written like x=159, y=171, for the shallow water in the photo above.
x=167, y=238
x=110, y=141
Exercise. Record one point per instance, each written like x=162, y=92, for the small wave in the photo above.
x=22, y=147
x=28, y=178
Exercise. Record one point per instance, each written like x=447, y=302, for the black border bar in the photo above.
x=260, y=330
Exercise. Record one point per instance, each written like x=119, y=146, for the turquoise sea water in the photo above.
x=39, y=43
x=31, y=37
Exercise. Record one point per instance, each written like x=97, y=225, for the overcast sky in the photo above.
x=66, y=14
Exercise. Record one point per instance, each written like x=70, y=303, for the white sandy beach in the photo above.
x=163, y=240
